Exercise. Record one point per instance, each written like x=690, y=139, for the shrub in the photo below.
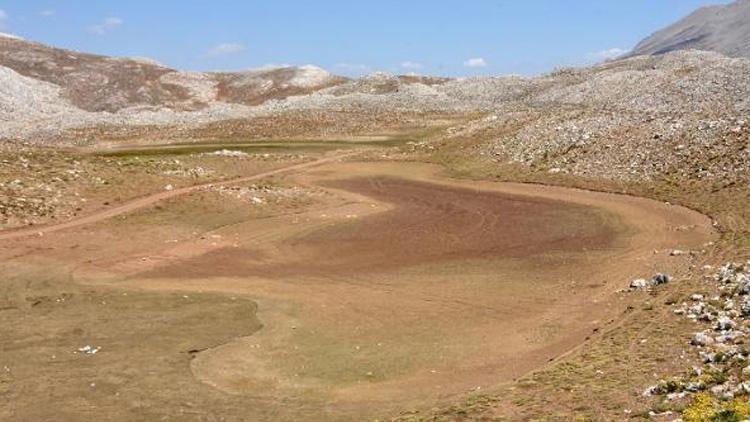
x=739, y=409
x=700, y=410
x=704, y=409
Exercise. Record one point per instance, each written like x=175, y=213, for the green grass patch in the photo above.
x=257, y=147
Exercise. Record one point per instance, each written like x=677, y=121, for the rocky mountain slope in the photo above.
x=98, y=83
x=682, y=113
x=723, y=29
x=94, y=83
x=49, y=91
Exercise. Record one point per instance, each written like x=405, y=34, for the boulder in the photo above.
x=724, y=324
x=660, y=279
x=702, y=339
x=745, y=307
x=639, y=284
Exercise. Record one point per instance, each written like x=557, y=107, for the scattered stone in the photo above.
x=264, y=194
x=639, y=284
x=650, y=391
x=660, y=279
x=89, y=350
x=676, y=396
x=657, y=280
x=228, y=153
x=726, y=374
x=724, y=324
x=702, y=339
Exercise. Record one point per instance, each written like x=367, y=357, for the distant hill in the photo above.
x=254, y=87
x=722, y=29
x=98, y=83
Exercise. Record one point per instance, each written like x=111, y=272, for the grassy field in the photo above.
x=146, y=341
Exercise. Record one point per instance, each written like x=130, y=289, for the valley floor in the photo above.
x=340, y=286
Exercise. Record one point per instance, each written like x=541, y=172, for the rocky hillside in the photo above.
x=682, y=113
x=47, y=90
x=98, y=83
x=723, y=29
x=94, y=83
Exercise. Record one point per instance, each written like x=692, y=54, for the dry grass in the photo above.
x=603, y=379
x=66, y=316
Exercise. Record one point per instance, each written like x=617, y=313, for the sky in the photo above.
x=349, y=37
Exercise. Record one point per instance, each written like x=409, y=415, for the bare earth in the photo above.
x=399, y=288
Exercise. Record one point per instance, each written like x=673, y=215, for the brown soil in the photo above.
x=428, y=223
x=402, y=289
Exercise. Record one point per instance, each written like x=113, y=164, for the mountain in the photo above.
x=96, y=83
x=641, y=116
x=723, y=29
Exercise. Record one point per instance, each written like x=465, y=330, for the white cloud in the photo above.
x=411, y=65
x=105, y=26
x=3, y=19
x=611, y=53
x=225, y=49
x=272, y=66
x=352, y=66
x=47, y=13
x=476, y=62
x=11, y=36
x=145, y=60
x=353, y=69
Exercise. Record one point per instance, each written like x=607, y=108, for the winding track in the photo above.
x=146, y=201
x=437, y=320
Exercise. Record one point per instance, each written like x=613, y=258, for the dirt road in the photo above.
x=150, y=200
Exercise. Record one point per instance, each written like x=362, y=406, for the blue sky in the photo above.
x=442, y=37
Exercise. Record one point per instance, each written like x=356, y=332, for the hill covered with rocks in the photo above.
x=681, y=114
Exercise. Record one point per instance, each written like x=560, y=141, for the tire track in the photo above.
x=147, y=201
